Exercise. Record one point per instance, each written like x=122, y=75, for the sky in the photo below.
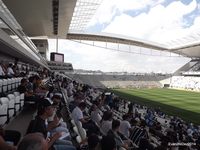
x=153, y=20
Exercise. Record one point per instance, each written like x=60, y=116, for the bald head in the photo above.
x=33, y=141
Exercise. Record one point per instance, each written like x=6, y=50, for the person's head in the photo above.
x=142, y=124
x=144, y=144
x=31, y=79
x=33, y=141
x=108, y=143
x=10, y=65
x=94, y=107
x=93, y=141
x=107, y=115
x=115, y=125
x=56, y=98
x=82, y=105
x=46, y=107
x=38, y=80
x=97, y=103
x=125, y=117
x=24, y=81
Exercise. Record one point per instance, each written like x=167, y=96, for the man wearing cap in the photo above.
x=62, y=126
x=46, y=109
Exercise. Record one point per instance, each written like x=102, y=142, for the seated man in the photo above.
x=138, y=133
x=108, y=143
x=10, y=72
x=77, y=115
x=4, y=145
x=2, y=71
x=125, y=126
x=121, y=141
x=22, y=87
x=10, y=136
x=57, y=117
x=29, y=95
x=45, y=110
x=92, y=143
x=39, y=89
x=33, y=141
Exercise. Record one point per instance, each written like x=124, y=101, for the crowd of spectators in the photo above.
x=186, y=82
x=110, y=122
x=135, y=126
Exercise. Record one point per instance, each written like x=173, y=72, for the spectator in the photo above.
x=125, y=126
x=130, y=107
x=77, y=113
x=10, y=71
x=93, y=143
x=138, y=133
x=95, y=116
x=29, y=95
x=39, y=89
x=106, y=123
x=117, y=136
x=10, y=135
x=5, y=146
x=32, y=81
x=22, y=87
x=2, y=72
x=33, y=141
x=45, y=110
x=108, y=143
x=145, y=144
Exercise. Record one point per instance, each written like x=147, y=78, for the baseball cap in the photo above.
x=46, y=102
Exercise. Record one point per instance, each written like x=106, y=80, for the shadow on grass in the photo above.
x=186, y=115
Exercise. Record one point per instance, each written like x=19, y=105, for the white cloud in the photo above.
x=108, y=9
x=159, y=21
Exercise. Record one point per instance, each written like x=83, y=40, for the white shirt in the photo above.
x=10, y=71
x=77, y=114
x=52, y=117
x=95, y=116
x=106, y=126
x=2, y=73
x=124, y=128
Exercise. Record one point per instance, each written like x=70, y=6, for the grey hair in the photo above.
x=33, y=141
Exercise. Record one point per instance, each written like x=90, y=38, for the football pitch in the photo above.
x=184, y=104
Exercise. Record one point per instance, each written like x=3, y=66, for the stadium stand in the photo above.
x=122, y=81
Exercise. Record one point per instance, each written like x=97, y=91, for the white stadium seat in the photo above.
x=73, y=123
x=78, y=139
x=11, y=106
x=5, y=85
x=9, y=83
x=16, y=82
x=22, y=99
x=17, y=101
x=16, y=93
x=3, y=113
x=1, y=86
x=16, y=97
x=81, y=130
x=13, y=83
x=76, y=130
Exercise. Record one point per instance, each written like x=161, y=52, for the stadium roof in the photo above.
x=68, y=19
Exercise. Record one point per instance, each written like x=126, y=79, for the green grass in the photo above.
x=184, y=104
